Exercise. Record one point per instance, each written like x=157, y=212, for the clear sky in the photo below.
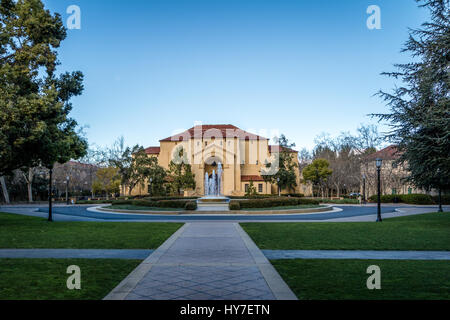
x=298, y=67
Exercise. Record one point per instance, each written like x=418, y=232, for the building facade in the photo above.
x=243, y=157
x=393, y=175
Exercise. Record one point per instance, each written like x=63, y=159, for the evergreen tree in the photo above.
x=420, y=108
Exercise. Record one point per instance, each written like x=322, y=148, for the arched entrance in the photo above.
x=211, y=174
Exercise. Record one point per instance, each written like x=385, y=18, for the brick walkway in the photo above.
x=205, y=261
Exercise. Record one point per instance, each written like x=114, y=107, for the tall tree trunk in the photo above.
x=30, y=184
x=5, y=191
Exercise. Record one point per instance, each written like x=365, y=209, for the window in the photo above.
x=394, y=191
x=260, y=188
x=409, y=190
x=246, y=187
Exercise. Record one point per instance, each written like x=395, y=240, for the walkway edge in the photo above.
x=279, y=288
x=129, y=283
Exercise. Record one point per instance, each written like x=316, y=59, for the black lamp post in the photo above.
x=364, y=189
x=379, y=162
x=278, y=185
x=150, y=191
x=440, y=192
x=67, y=190
x=440, y=201
x=50, y=195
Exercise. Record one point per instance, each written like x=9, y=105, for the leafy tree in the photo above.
x=180, y=173
x=140, y=169
x=317, y=172
x=107, y=180
x=251, y=191
x=283, y=171
x=420, y=108
x=158, y=176
x=35, y=127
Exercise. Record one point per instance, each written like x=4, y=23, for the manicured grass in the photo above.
x=33, y=233
x=301, y=206
x=420, y=232
x=346, y=279
x=45, y=279
x=141, y=208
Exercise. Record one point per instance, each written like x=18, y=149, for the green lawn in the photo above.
x=23, y=232
x=301, y=206
x=346, y=279
x=45, y=279
x=421, y=232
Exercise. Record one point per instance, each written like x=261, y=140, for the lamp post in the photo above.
x=379, y=162
x=364, y=189
x=50, y=194
x=440, y=192
x=150, y=191
x=67, y=190
x=279, y=189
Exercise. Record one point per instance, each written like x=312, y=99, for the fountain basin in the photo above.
x=213, y=203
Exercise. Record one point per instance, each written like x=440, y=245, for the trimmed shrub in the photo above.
x=122, y=202
x=295, y=195
x=277, y=202
x=417, y=198
x=94, y=201
x=404, y=198
x=190, y=206
x=170, y=198
x=144, y=203
x=235, y=205
x=308, y=201
x=444, y=198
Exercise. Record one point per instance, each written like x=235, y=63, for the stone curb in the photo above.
x=130, y=282
x=325, y=209
x=279, y=288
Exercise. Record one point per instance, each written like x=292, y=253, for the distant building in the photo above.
x=393, y=176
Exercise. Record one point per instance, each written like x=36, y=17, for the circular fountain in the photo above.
x=213, y=199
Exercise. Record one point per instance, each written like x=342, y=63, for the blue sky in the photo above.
x=299, y=67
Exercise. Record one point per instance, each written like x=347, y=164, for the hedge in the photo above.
x=405, y=198
x=235, y=205
x=190, y=206
x=277, y=202
x=445, y=199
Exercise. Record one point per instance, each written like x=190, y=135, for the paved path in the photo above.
x=205, y=261
x=349, y=213
x=74, y=254
x=357, y=254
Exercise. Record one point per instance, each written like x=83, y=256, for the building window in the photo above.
x=394, y=191
x=246, y=187
x=260, y=188
x=409, y=190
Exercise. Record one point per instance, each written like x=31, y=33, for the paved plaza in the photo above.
x=205, y=261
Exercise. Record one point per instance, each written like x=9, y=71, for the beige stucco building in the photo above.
x=243, y=156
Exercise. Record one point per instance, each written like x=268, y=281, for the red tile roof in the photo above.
x=153, y=150
x=389, y=153
x=273, y=149
x=214, y=131
x=251, y=178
